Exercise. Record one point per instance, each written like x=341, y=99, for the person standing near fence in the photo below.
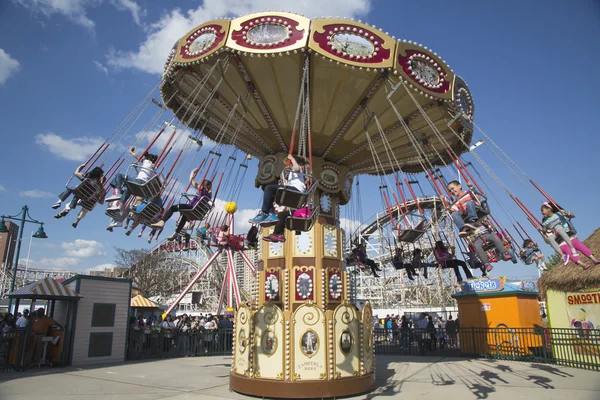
x=451, y=331
x=404, y=332
x=421, y=332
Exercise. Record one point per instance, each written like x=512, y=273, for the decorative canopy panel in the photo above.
x=47, y=288
x=239, y=82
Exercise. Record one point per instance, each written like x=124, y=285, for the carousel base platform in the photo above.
x=301, y=390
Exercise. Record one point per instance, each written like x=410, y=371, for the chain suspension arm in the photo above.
x=97, y=156
x=532, y=218
x=387, y=205
x=415, y=198
x=546, y=195
x=174, y=163
x=161, y=160
x=465, y=169
x=150, y=144
x=194, y=177
x=401, y=191
x=443, y=183
x=460, y=169
x=437, y=188
x=524, y=231
x=401, y=212
x=519, y=232
x=111, y=171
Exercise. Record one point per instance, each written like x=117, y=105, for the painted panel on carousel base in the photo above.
x=270, y=343
x=310, y=343
x=346, y=346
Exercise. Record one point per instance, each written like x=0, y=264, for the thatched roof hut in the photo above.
x=571, y=277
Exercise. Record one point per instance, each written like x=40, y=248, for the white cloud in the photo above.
x=59, y=263
x=36, y=194
x=76, y=149
x=131, y=6
x=83, y=248
x=152, y=53
x=101, y=67
x=8, y=66
x=102, y=267
x=76, y=10
x=2, y=188
x=179, y=140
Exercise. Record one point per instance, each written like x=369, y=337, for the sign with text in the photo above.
x=483, y=285
x=583, y=309
x=528, y=285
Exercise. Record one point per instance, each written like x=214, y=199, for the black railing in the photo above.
x=14, y=346
x=148, y=344
x=570, y=347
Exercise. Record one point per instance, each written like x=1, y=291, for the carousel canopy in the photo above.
x=46, y=289
x=241, y=81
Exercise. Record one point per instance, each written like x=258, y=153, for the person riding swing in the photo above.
x=294, y=182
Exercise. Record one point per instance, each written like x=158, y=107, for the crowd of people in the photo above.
x=426, y=331
x=190, y=335
x=34, y=326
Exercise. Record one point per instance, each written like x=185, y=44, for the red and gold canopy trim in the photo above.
x=269, y=32
x=424, y=70
x=203, y=41
x=352, y=43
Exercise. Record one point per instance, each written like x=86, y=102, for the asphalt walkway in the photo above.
x=397, y=377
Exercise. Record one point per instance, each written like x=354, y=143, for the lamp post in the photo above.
x=22, y=217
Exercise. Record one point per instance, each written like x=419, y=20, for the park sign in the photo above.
x=483, y=285
x=529, y=285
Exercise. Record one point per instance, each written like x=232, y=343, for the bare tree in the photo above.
x=153, y=272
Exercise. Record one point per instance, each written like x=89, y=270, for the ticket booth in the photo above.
x=494, y=314
x=59, y=303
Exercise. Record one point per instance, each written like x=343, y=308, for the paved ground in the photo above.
x=207, y=378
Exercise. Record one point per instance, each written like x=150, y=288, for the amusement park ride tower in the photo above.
x=358, y=102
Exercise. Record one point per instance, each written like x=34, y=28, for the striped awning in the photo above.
x=47, y=288
x=140, y=301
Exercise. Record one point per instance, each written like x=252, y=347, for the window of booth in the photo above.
x=100, y=344
x=103, y=314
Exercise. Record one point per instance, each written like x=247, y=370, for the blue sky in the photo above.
x=70, y=71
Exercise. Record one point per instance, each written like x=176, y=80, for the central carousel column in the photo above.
x=302, y=338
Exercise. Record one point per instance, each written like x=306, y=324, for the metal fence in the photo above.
x=570, y=347
x=14, y=350
x=148, y=344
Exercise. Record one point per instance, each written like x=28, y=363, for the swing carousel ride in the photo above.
x=351, y=100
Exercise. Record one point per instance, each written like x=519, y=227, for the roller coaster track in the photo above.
x=187, y=262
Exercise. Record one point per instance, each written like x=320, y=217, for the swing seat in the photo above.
x=292, y=198
x=88, y=204
x=414, y=234
x=114, y=214
x=481, y=205
x=86, y=190
x=150, y=214
x=302, y=224
x=488, y=246
x=200, y=210
x=146, y=190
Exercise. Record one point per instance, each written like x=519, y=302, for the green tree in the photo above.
x=552, y=261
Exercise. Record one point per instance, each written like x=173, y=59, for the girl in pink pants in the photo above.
x=582, y=250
